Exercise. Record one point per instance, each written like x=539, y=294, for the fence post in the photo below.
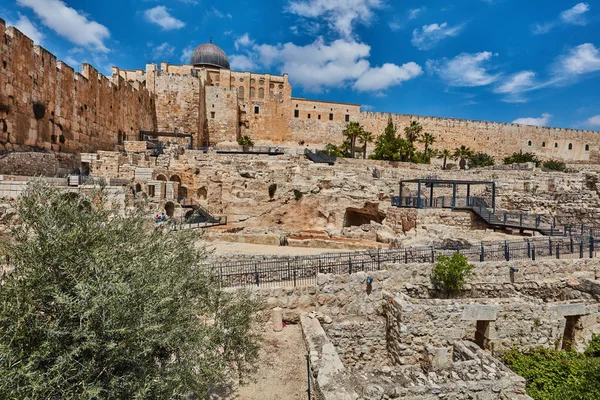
x=405, y=256
x=571, y=244
x=505, y=218
x=550, y=245
x=506, y=252
x=350, y=265
x=591, y=247
x=581, y=249
x=295, y=272
x=482, y=254
x=521, y=219
x=378, y=259
x=533, y=252
x=558, y=251
x=256, y=274
x=528, y=249
x=432, y=255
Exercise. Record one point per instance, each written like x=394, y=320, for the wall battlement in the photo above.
x=47, y=104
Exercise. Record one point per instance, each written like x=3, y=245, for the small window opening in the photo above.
x=570, y=146
x=319, y=116
x=256, y=110
x=529, y=143
x=308, y=116
x=296, y=113
x=555, y=145
x=347, y=118
x=543, y=144
x=331, y=117
x=212, y=114
x=587, y=147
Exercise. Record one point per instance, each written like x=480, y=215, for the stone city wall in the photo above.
x=45, y=104
x=39, y=164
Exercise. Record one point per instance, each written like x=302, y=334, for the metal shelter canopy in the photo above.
x=431, y=184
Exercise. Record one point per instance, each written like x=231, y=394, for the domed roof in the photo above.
x=210, y=55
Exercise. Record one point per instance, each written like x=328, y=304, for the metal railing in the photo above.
x=303, y=271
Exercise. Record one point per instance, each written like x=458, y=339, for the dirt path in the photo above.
x=281, y=374
x=247, y=248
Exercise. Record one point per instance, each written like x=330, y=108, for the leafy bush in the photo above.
x=480, y=160
x=520, y=158
x=297, y=194
x=593, y=349
x=557, y=375
x=245, y=141
x=554, y=165
x=104, y=305
x=451, y=273
x=272, y=190
x=334, y=151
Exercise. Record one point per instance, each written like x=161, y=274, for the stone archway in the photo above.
x=170, y=209
x=182, y=193
x=138, y=188
x=175, y=178
x=202, y=193
x=161, y=177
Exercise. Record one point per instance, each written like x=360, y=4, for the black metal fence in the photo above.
x=303, y=271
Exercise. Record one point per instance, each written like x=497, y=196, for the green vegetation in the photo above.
x=392, y=147
x=520, y=158
x=480, y=160
x=445, y=155
x=334, y=151
x=462, y=153
x=413, y=131
x=101, y=304
x=272, y=190
x=365, y=138
x=559, y=375
x=245, y=142
x=352, y=132
x=451, y=272
x=427, y=139
x=554, y=165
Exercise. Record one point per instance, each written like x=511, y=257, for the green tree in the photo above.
x=444, y=154
x=365, y=138
x=245, y=142
x=351, y=133
x=413, y=131
x=520, y=158
x=101, y=304
x=451, y=273
x=427, y=139
x=462, y=153
x=386, y=144
x=334, y=151
x=480, y=160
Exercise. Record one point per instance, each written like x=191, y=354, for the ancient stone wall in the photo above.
x=221, y=111
x=45, y=104
x=39, y=164
x=497, y=139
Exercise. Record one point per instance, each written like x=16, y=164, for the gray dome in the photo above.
x=210, y=55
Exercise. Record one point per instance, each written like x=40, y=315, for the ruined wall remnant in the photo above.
x=45, y=104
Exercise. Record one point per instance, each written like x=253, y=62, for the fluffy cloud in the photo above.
x=572, y=16
x=160, y=16
x=243, y=41
x=381, y=78
x=340, y=15
x=68, y=23
x=464, y=70
x=164, y=50
x=318, y=66
x=594, y=121
x=414, y=13
x=542, y=121
x=516, y=85
x=579, y=60
x=430, y=35
x=28, y=28
x=186, y=54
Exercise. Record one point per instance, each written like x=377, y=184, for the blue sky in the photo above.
x=534, y=61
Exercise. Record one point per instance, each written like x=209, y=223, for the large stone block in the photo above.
x=480, y=313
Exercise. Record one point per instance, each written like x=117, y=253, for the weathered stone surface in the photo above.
x=478, y=312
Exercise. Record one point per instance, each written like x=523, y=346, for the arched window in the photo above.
x=570, y=146
x=587, y=147
x=261, y=93
x=252, y=93
x=555, y=145
x=241, y=92
x=529, y=143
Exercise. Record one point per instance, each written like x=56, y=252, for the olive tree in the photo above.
x=101, y=304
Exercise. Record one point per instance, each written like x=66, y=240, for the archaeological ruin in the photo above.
x=344, y=248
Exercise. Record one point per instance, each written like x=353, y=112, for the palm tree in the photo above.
x=364, y=138
x=427, y=139
x=413, y=131
x=462, y=153
x=445, y=154
x=353, y=130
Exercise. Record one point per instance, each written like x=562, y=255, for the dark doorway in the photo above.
x=568, y=342
x=358, y=217
x=170, y=209
x=482, y=334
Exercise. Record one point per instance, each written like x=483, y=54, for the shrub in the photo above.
x=593, y=349
x=333, y=151
x=272, y=190
x=554, y=165
x=520, y=158
x=245, y=141
x=103, y=305
x=39, y=110
x=297, y=194
x=480, y=160
x=451, y=273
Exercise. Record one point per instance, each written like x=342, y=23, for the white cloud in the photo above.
x=68, y=23
x=582, y=59
x=395, y=26
x=542, y=121
x=430, y=35
x=572, y=16
x=219, y=14
x=186, y=54
x=575, y=15
x=318, y=66
x=340, y=15
x=381, y=78
x=593, y=121
x=160, y=16
x=414, y=13
x=164, y=50
x=243, y=41
x=241, y=63
x=28, y=28
x=516, y=85
x=464, y=70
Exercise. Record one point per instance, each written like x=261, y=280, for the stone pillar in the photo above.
x=277, y=319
